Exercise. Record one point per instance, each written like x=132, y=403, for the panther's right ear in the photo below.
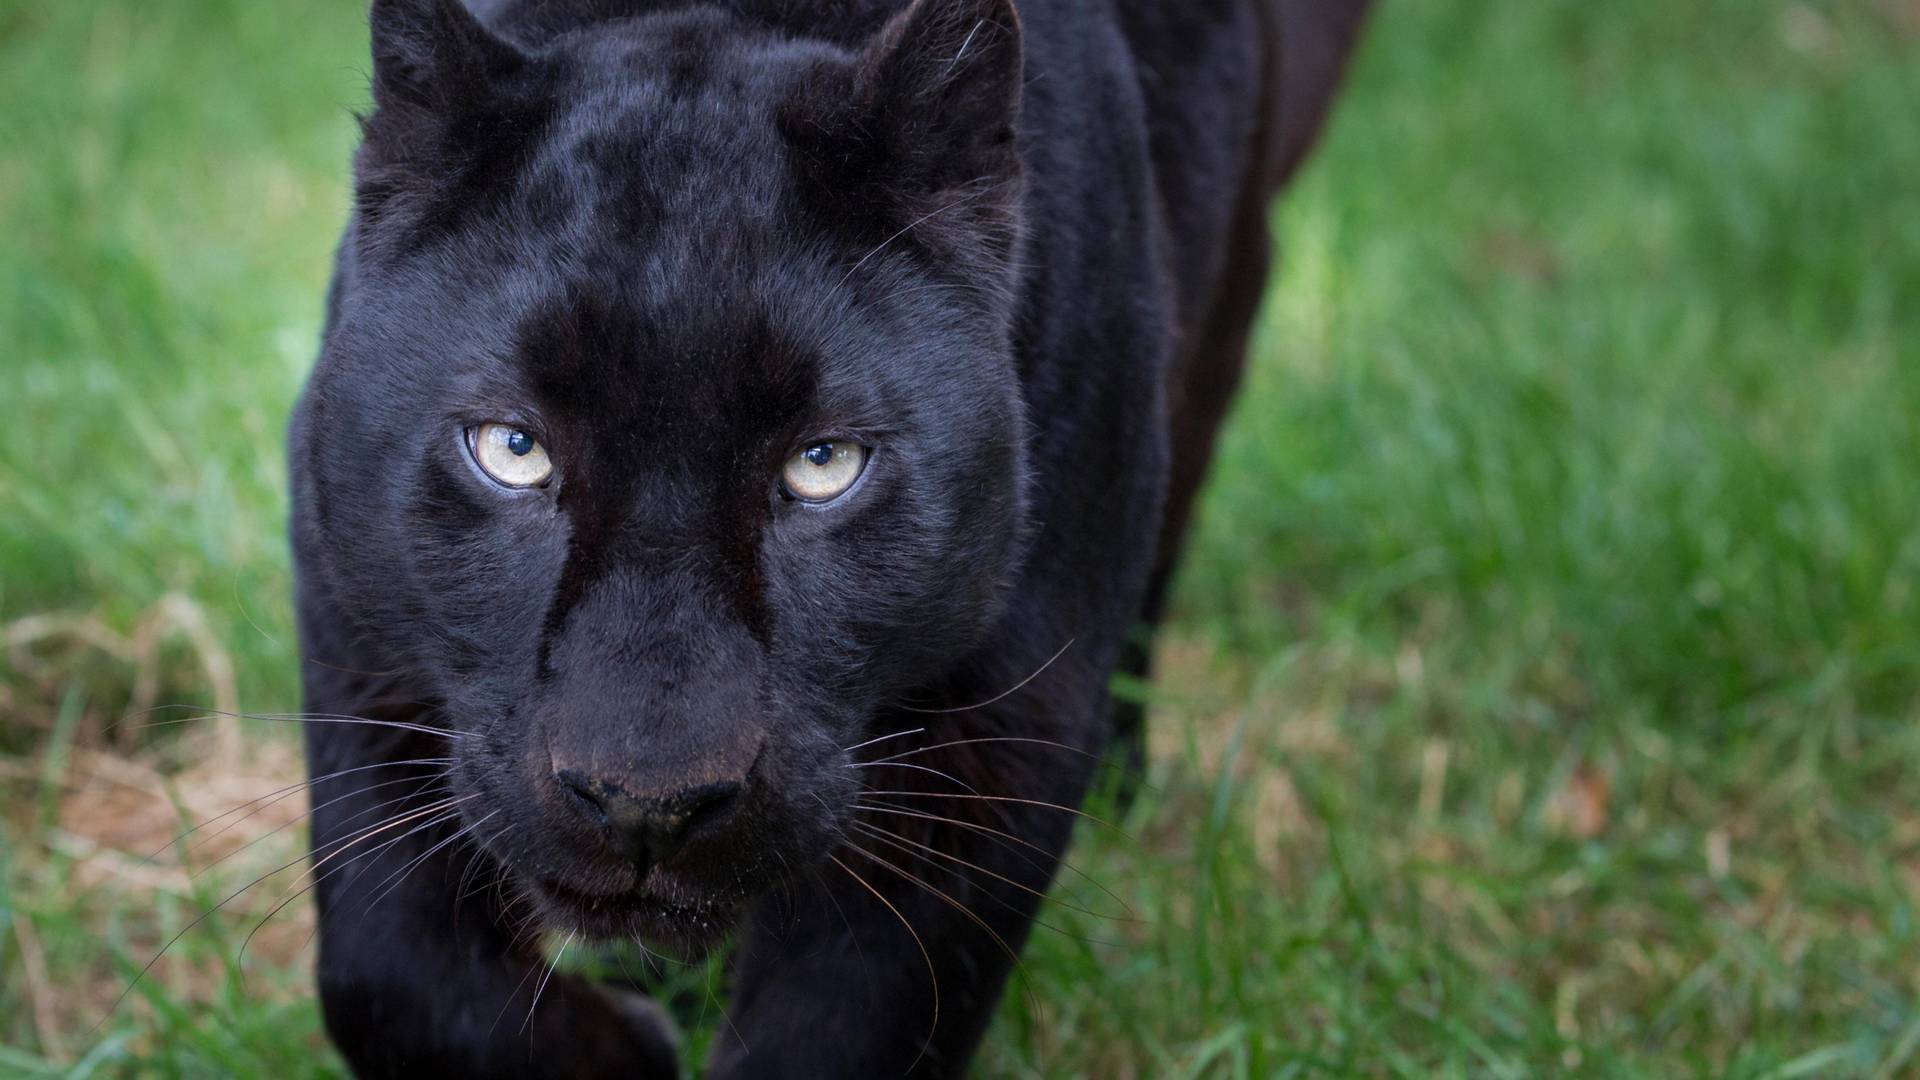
x=432, y=54
x=942, y=82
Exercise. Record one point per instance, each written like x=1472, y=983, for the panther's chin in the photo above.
x=689, y=925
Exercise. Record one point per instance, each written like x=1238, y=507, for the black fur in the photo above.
x=1016, y=254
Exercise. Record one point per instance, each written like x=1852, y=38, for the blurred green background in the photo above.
x=1544, y=691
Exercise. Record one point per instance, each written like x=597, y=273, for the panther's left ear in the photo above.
x=941, y=81
x=432, y=55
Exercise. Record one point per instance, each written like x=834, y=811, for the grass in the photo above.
x=1543, y=691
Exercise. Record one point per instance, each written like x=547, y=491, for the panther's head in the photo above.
x=668, y=425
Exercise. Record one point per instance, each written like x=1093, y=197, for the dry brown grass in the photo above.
x=102, y=817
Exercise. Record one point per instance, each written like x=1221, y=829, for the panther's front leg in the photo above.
x=891, y=957
x=422, y=969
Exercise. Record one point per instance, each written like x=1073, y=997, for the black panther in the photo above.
x=748, y=437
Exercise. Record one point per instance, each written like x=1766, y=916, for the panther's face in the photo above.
x=668, y=424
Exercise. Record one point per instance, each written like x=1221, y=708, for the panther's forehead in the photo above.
x=651, y=377
x=652, y=137
x=654, y=149
x=679, y=112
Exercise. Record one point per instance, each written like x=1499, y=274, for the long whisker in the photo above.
x=435, y=813
x=1003, y=799
x=517, y=987
x=996, y=835
x=1137, y=776
x=442, y=812
x=282, y=792
x=903, y=844
x=884, y=808
x=295, y=718
x=1002, y=696
x=328, y=848
x=311, y=878
x=240, y=957
x=422, y=781
x=196, y=921
x=398, y=877
x=497, y=882
x=521, y=899
x=908, y=765
x=813, y=874
x=521, y=928
x=883, y=738
x=932, y=974
x=918, y=750
x=474, y=861
x=542, y=988
x=1026, y=979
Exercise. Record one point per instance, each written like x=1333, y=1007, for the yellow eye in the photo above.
x=511, y=456
x=824, y=471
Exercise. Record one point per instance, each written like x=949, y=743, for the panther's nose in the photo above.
x=651, y=828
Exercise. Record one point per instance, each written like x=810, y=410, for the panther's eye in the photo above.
x=824, y=471
x=510, y=455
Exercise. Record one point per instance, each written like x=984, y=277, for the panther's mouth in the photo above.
x=690, y=925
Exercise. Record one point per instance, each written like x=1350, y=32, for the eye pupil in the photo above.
x=520, y=444
x=820, y=456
